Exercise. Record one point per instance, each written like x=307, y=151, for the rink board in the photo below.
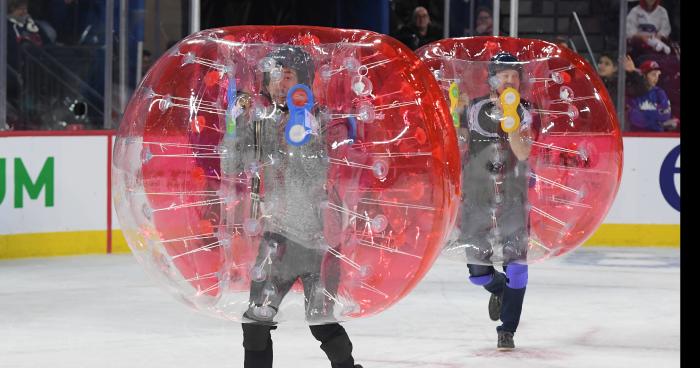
x=55, y=196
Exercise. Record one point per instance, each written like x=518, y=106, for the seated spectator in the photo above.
x=651, y=111
x=562, y=42
x=22, y=26
x=420, y=31
x=648, y=28
x=146, y=62
x=22, y=31
x=608, y=71
x=484, y=22
x=649, y=31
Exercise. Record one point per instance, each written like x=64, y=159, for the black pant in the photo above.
x=512, y=298
x=285, y=261
x=257, y=342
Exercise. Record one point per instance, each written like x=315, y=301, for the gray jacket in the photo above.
x=292, y=179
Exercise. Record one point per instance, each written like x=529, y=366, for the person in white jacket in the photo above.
x=648, y=24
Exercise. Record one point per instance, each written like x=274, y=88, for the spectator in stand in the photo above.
x=484, y=22
x=651, y=111
x=146, y=62
x=648, y=28
x=608, y=71
x=420, y=31
x=68, y=18
x=562, y=41
x=22, y=26
x=22, y=31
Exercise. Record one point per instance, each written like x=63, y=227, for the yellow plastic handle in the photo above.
x=454, y=100
x=510, y=99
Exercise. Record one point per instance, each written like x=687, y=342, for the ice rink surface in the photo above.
x=597, y=307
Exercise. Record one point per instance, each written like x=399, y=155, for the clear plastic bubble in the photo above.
x=380, y=169
x=252, y=227
x=323, y=115
x=264, y=312
x=557, y=78
x=379, y=223
x=148, y=93
x=235, y=217
x=566, y=93
x=258, y=273
x=540, y=197
x=165, y=103
x=267, y=64
x=572, y=112
x=365, y=112
x=362, y=70
x=351, y=64
x=361, y=86
x=325, y=72
x=252, y=168
x=275, y=74
x=230, y=70
x=147, y=155
x=188, y=58
x=365, y=270
x=225, y=243
x=147, y=211
x=272, y=248
x=259, y=111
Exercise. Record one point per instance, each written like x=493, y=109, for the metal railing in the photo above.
x=53, y=95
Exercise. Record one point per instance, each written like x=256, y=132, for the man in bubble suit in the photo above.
x=494, y=223
x=288, y=180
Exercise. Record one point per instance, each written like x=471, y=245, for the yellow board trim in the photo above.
x=119, y=244
x=95, y=242
x=636, y=235
x=53, y=244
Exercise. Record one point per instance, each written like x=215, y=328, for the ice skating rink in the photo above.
x=596, y=307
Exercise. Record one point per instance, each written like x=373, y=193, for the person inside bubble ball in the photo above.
x=288, y=180
x=494, y=224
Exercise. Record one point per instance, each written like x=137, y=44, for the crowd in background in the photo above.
x=37, y=29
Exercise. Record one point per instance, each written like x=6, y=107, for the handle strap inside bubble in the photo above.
x=231, y=114
x=300, y=100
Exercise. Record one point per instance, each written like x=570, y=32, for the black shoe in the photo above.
x=495, y=303
x=505, y=341
x=354, y=366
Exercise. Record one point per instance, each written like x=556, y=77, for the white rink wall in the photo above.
x=54, y=189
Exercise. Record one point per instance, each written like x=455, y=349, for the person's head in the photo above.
x=562, y=42
x=484, y=20
x=607, y=64
x=295, y=67
x=421, y=18
x=649, y=5
x=17, y=8
x=651, y=71
x=504, y=71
